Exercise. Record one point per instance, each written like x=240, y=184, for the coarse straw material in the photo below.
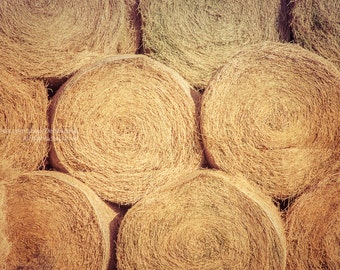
x=129, y=124
x=202, y=220
x=315, y=26
x=4, y=244
x=273, y=114
x=23, y=122
x=196, y=37
x=313, y=228
x=56, y=222
x=53, y=39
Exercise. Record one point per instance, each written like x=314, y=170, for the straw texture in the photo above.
x=4, y=244
x=315, y=26
x=23, y=122
x=313, y=228
x=56, y=38
x=196, y=37
x=273, y=114
x=56, y=222
x=131, y=125
x=202, y=220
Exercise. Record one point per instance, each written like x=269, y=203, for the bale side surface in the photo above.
x=273, y=114
x=202, y=220
x=313, y=229
x=23, y=122
x=196, y=37
x=56, y=222
x=56, y=38
x=129, y=124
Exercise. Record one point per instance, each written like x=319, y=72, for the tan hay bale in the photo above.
x=272, y=113
x=315, y=26
x=202, y=220
x=56, y=222
x=196, y=37
x=131, y=124
x=313, y=228
x=23, y=122
x=56, y=38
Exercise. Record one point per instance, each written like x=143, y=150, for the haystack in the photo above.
x=273, y=114
x=23, y=122
x=55, y=222
x=202, y=220
x=313, y=228
x=56, y=38
x=196, y=37
x=315, y=26
x=123, y=126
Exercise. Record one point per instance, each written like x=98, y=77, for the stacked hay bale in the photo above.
x=313, y=228
x=23, y=122
x=196, y=37
x=202, y=220
x=315, y=26
x=273, y=114
x=54, y=221
x=133, y=124
x=56, y=38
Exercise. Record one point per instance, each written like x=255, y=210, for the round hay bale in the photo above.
x=313, y=230
x=123, y=126
x=315, y=26
x=273, y=114
x=23, y=122
x=196, y=37
x=56, y=38
x=56, y=222
x=202, y=220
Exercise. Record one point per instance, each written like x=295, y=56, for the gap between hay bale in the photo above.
x=313, y=228
x=272, y=113
x=56, y=222
x=123, y=126
x=202, y=220
x=196, y=37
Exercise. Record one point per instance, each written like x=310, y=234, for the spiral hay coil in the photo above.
x=313, y=228
x=202, y=220
x=315, y=26
x=56, y=38
x=131, y=124
x=56, y=222
x=196, y=37
x=23, y=122
x=273, y=114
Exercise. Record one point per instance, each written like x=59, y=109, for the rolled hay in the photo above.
x=53, y=39
x=124, y=126
x=23, y=123
x=4, y=244
x=56, y=222
x=272, y=113
x=315, y=26
x=313, y=230
x=202, y=220
x=196, y=37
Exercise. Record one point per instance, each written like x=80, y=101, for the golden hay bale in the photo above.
x=56, y=38
x=56, y=222
x=315, y=26
x=129, y=123
x=196, y=37
x=273, y=114
x=23, y=122
x=202, y=220
x=313, y=228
